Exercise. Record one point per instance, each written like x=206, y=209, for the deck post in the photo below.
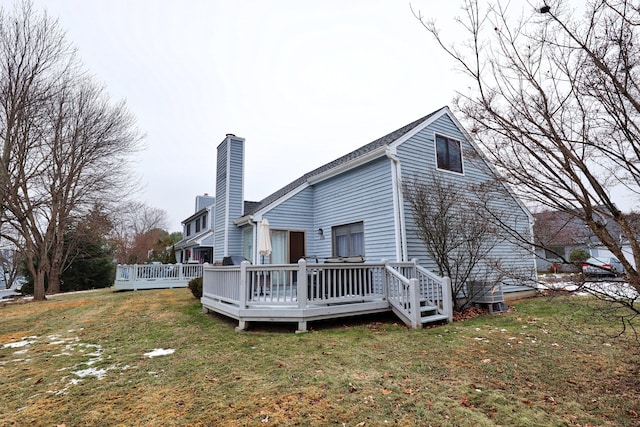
x=414, y=269
x=385, y=279
x=302, y=293
x=242, y=326
x=414, y=292
x=136, y=276
x=302, y=327
x=302, y=288
x=447, y=299
x=180, y=272
x=242, y=297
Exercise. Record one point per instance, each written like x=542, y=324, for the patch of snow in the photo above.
x=603, y=288
x=25, y=342
x=160, y=352
x=98, y=373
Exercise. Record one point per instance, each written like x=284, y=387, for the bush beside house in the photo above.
x=196, y=287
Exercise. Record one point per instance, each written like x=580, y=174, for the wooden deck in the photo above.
x=306, y=292
x=155, y=276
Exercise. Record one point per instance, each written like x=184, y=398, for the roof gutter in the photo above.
x=247, y=219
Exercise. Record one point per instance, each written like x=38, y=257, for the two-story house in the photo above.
x=196, y=245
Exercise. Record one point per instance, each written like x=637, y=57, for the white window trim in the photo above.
x=435, y=153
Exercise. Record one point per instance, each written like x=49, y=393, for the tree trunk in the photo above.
x=38, y=286
x=54, y=279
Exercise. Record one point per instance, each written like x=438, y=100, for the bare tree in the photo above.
x=136, y=229
x=451, y=221
x=555, y=104
x=65, y=145
x=89, y=148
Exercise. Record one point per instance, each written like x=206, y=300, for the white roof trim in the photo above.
x=194, y=240
x=394, y=145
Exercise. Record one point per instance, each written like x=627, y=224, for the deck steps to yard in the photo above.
x=429, y=314
x=433, y=318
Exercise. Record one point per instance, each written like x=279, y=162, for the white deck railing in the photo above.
x=282, y=285
x=285, y=288
x=411, y=285
x=150, y=276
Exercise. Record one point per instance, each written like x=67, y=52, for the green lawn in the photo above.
x=79, y=360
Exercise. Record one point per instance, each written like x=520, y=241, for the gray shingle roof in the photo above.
x=252, y=207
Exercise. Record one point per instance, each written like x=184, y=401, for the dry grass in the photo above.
x=547, y=362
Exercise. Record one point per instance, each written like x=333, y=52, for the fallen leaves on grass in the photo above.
x=468, y=313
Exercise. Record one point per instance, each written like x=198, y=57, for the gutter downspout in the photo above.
x=398, y=207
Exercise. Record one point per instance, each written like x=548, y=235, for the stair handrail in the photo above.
x=445, y=302
x=405, y=301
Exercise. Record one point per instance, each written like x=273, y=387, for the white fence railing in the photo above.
x=131, y=274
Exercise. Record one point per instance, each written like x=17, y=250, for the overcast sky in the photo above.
x=303, y=82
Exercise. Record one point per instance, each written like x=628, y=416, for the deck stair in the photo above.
x=430, y=313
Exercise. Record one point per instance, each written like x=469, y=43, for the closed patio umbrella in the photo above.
x=264, y=239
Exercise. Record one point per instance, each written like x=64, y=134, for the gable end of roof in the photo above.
x=362, y=151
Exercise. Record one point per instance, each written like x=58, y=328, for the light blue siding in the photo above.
x=417, y=155
x=229, y=197
x=221, y=198
x=296, y=214
x=208, y=241
x=362, y=194
x=236, y=195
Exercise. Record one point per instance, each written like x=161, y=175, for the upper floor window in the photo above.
x=348, y=240
x=448, y=154
x=197, y=225
x=188, y=229
x=204, y=220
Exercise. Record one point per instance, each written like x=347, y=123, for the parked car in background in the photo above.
x=602, y=266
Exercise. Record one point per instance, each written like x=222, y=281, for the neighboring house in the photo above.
x=196, y=245
x=558, y=233
x=354, y=206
